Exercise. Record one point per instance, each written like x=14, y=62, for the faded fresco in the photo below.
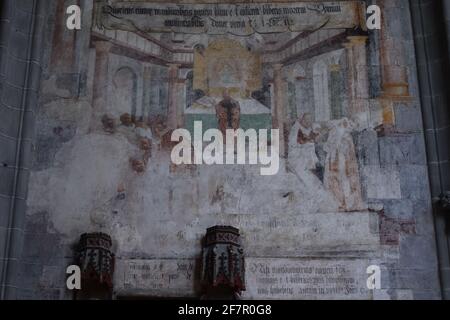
x=303, y=68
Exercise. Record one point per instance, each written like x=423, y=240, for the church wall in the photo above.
x=88, y=176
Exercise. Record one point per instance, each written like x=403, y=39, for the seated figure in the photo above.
x=228, y=112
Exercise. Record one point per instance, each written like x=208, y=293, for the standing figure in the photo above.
x=341, y=167
x=228, y=113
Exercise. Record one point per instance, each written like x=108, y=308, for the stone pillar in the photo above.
x=358, y=79
x=430, y=41
x=278, y=112
x=172, y=112
x=100, y=89
x=22, y=41
x=393, y=69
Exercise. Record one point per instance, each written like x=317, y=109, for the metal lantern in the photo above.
x=223, y=262
x=96, y=260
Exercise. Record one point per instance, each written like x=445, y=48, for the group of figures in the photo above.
x=321, y=154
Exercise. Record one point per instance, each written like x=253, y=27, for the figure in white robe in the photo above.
x=302, y=151
x=302, y=161
x=341, y=175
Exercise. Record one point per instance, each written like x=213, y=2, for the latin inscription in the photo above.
x=266, y=278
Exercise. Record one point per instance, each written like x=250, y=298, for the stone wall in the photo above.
x=22, y=25
x=304, y=237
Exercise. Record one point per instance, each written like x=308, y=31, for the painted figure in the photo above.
x=228, y=113
x=302, y=162
x=301, y=143
x=341, y=167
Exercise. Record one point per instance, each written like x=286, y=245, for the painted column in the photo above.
x=146, y=92
x=172, y=113
x=181, y=101
x=335, y=90
x=433, y=83
x=278, y=106
x=358, y=80
x=64, y=40
x=393, y=70
x=100, y=89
